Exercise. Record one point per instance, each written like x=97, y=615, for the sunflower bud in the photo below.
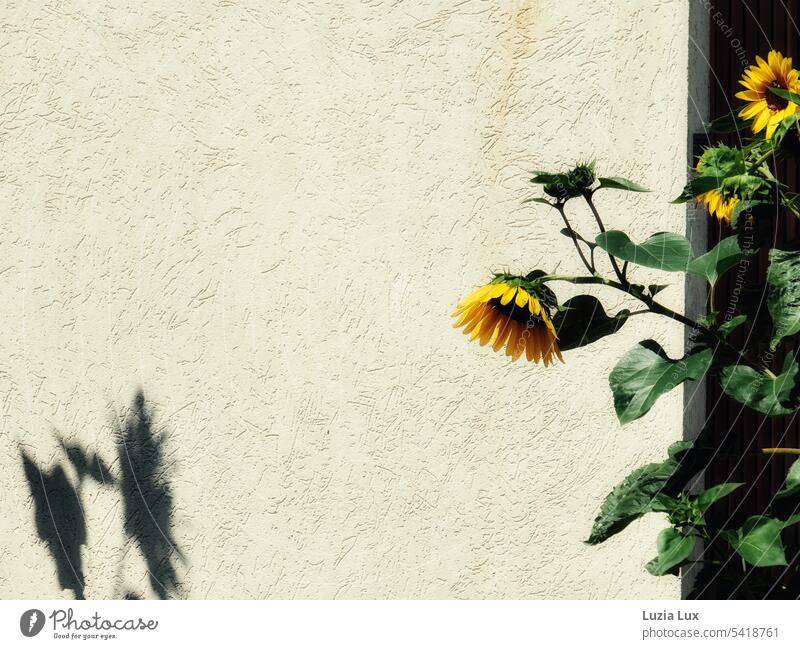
x=571, y=183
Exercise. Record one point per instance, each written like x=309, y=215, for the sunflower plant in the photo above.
x=522, y=316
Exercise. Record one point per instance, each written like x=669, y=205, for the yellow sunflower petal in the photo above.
x=749, y=95
x=761, y=121
x=771, y=126
x=489, y=327
x=753, y=109
x=503, y=332
x=508, y=295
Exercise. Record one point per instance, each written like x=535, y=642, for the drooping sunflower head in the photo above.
x=765, y=108
x=509, y=312
x=717, y=204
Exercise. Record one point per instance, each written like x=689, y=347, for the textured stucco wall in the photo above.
x=263, y=214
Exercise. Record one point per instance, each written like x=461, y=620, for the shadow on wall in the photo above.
x=144, y=488
x=59, y=521
x=147, y=497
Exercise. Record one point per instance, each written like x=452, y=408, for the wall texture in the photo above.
x=262, y=214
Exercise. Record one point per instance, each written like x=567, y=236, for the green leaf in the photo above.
x=744, y=207
x=758, y=541
x=783, y=295
x=712, y=495
x=770, y=396
x=791, y=200
x=721, y=162
x=792, y=520
x=788, y=95
x=568, y=233
x=582, y=320
x=646, y=372
x=726, y=328
x=729, y=123
x=673, y=549
x=791, y=485
x=721, y=258
x=634, y=496
x=663, y=251
x=786, y=125
x=616, y=182
x=697, y=186
x=676, y=450
x=663, y=503
x=545, y=178
x=742, y=185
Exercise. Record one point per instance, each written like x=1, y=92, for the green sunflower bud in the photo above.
x=569, y=184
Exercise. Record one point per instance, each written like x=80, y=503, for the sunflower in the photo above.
x=717, y=204
x=504, y=313
x=765, y=108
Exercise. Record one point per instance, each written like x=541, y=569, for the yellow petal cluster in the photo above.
x=766, y=109
x=505, y=315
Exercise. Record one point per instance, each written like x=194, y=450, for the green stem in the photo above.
x=587, y=195
x=589, y=267
x=711, y=298
x=660, y=309
x=763, y=159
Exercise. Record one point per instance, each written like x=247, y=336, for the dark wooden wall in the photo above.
x=739, y=31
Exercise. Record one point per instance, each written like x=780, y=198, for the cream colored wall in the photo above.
x=263, y=214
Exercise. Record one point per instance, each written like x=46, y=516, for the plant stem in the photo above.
x=589, y=267
x=587, y=195
x=711, y=298
x=781, y=451
x=660, y=309
x=763, y=159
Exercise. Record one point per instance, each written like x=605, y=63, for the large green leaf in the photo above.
x=758, y=541
x=721, y=258
x=634, y=496
x=617, y=182
x=646, y=372
x=715, y=493
x=663, y=251
x=582, y=320
x=791, y=485
x=783, y=297
x=770, y=396
x=673, y=549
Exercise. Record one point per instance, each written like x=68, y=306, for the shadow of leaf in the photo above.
x=60, y=522
x=86, y=465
